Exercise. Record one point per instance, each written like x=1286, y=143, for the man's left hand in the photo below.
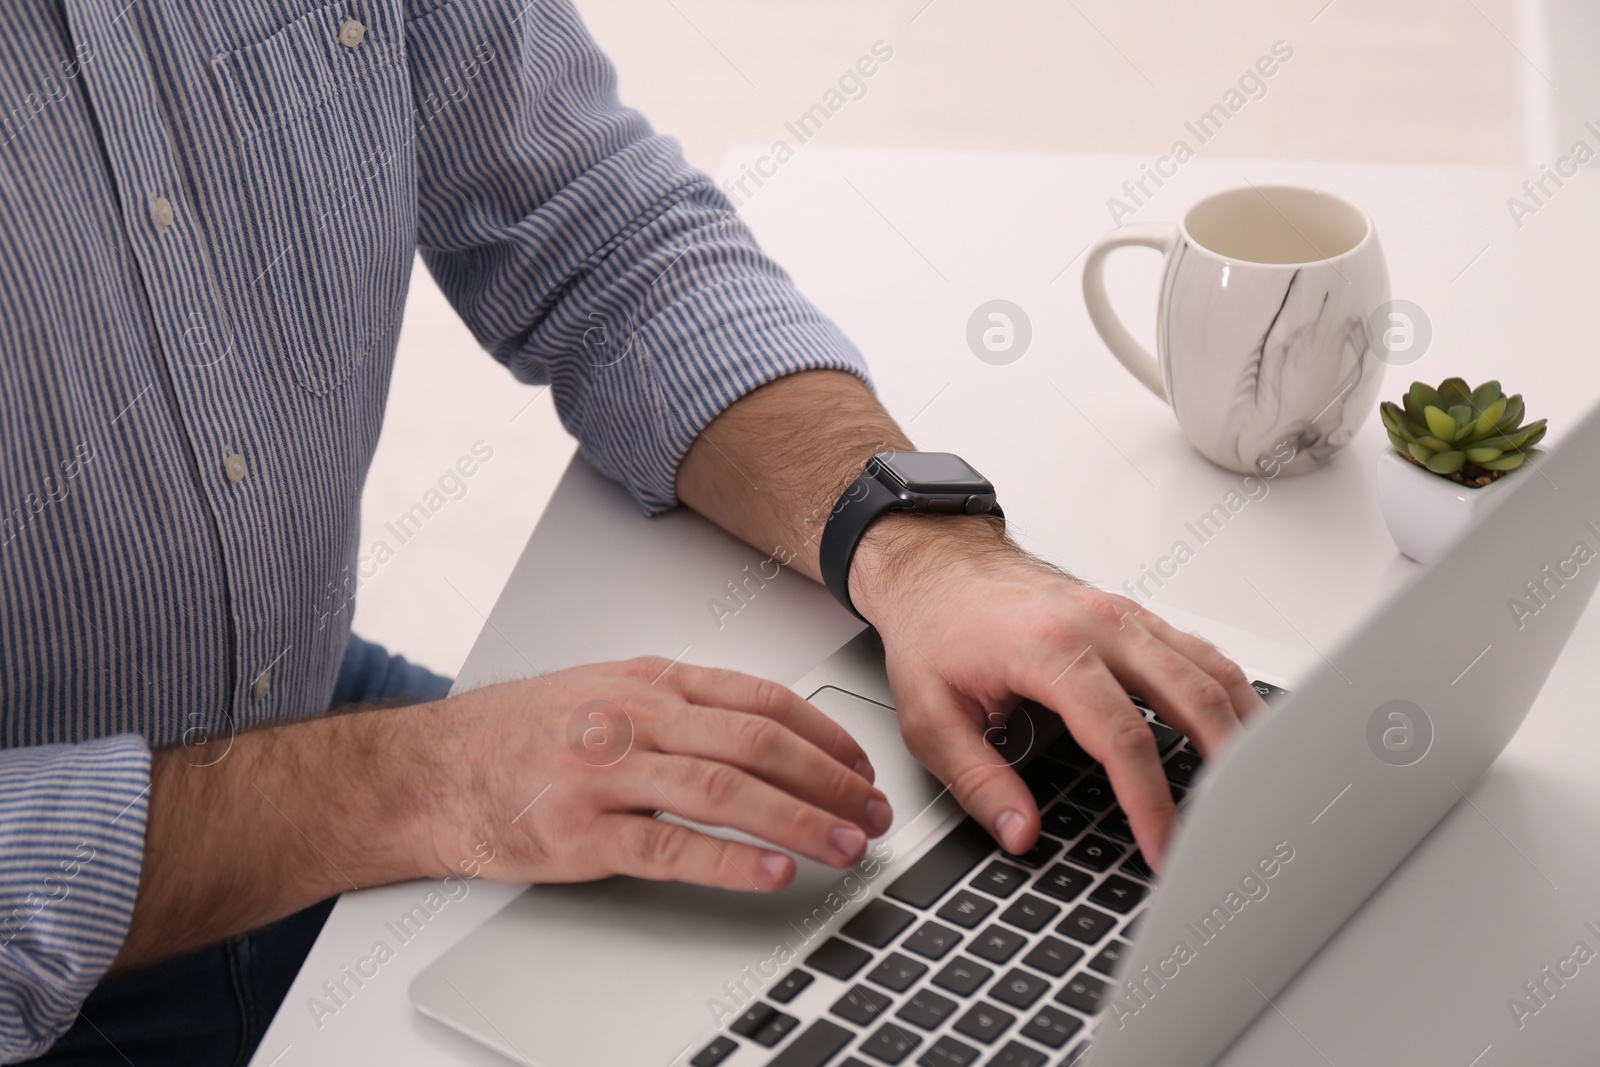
x=972, y=625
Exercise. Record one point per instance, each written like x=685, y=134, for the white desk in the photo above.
x=900, y=247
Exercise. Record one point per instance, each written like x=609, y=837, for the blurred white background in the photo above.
x=1441, y=81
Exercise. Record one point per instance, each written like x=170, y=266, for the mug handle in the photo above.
x=1161, y=236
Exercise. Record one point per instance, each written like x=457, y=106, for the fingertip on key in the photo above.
x=1155, y=852
x=1010, y=828
x=776, y=869
x=849, y=842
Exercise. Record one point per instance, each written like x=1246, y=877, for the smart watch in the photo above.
x=939, y=483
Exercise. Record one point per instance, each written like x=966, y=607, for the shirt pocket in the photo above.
x=321, y=112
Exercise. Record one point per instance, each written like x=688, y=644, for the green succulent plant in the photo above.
x=1471, y=436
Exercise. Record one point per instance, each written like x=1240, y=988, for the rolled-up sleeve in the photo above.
x=72, y=823
x=583, y=251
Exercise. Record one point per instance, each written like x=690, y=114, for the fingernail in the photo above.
x=864, y=769
x=849, y=840
x=1009, y=825
x=776, y=868
x=879, y=816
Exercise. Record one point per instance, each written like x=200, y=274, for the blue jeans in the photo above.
x=211, y=1008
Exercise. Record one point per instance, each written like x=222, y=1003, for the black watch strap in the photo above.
x=861, y=504
x=933, y=483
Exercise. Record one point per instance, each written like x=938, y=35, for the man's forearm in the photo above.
x=289, y=816
x=772, y=466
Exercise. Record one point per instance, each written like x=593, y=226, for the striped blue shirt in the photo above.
x=208, y=215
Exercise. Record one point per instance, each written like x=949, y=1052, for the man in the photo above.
x=210, y=213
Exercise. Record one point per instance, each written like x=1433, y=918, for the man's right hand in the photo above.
x=562, y=775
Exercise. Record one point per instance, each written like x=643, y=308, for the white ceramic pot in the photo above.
x=1425, y=512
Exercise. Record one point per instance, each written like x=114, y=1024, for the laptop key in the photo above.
x=1268, y=691
x=1110, y=956
x=1052, y=1027
x=948, y=1052
x=1063, y=882
x=1131, y=929
x=1095, y=853
x=890, y=1044
x=932, y=941
x=1181, y=767
x=943, y=865
x=1086, y=924
x=754, y=1018
x=862, y=1006
x=877, y=924
x=897, y=972
x=1119, y=894
x=1083, y=993
x=1053, y=956
x=1048, y=780
x=1000, y=879
x=984, y=1022
x=1092, y=794
x=778, y=1027
x=1064, y=820
x=714, y=1053
x=817, y=1045
x=1016, y=1054
x=1030, y=913
x=1167, y=738
x=1114, y=824
x=838, y=958
x=962, y=976
x=1019, y=989
x=791, y=986
x=1135, y=867
x=966, y=909
x=996, y=944
x=926, y=1009
x=1067, y=750
x=1043, y=851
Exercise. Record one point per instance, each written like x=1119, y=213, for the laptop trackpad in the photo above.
x=630, y=971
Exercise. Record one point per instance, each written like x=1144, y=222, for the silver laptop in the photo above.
x=940, y=950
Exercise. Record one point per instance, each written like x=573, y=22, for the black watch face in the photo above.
x=933, y=472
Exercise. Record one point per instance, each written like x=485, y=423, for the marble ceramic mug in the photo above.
x=1262, y=341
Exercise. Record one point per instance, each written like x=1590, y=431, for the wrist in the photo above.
x=380, y=771
x=414, y=793
x=903, y=553
x=286, y=816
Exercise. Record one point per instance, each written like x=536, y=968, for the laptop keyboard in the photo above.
x=974, y=957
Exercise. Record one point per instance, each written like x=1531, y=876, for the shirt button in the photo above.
x=351, y=33
x=263, y=683
x=233, y=466
x=161, y=213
